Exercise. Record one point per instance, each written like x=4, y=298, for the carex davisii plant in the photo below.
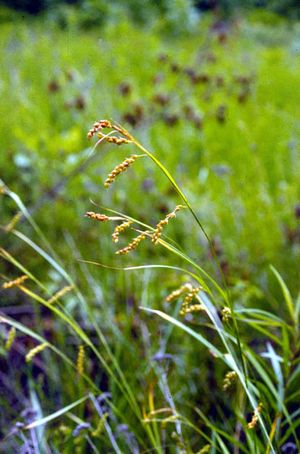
x=203, y=296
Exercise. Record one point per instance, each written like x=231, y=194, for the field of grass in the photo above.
x=222, y=114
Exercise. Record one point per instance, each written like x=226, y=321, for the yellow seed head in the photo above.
x=119, y=229
x=80, y=360
x=119, y=169
x=34, y=351
x=229, y=380
x=188, y=299
x=10, y=338
x=15, y=282
x=133, y=245
x=96, y=216
x=176, y=293
x=193, y=308
x=160, y=226
x=60, y=294
x=11, y=225
x=251, y=425
x=226, y=314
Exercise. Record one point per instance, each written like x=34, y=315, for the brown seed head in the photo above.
x=120, y=168
x=159, y=227
x=98, y=125
x=96, y=216
x=114, y=139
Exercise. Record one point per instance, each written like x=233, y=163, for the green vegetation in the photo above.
x=219, y=109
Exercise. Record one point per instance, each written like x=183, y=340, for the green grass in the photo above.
x=240, y=174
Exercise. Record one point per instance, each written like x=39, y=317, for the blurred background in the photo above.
x=212, y=88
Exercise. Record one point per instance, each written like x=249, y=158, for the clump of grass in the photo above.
x=246, y=368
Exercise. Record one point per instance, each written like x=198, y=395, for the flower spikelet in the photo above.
x=34, y=351
x=120, y=168
x=133, y=245
x=15, y=282
x=80, y=360
x=229, y=380
x=226, y=314
x=97, y=126
x=103, y=124
x=160, y=226
x=251, y=425
x=188, y=299
x=114, y=139
x=60, y=293
x=10, y=338
x=97, y=216
x=119, y=229
x=176, y=293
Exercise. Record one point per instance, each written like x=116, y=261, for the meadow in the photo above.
x=120, y=369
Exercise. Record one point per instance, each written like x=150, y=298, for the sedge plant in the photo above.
x=202, y=296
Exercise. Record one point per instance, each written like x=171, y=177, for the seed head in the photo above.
x=133, y=245
x=10, y=338
x=176, y=293
x=119, y=229
x=188, y=299
x=34, y=351
x=15, y=282
x=226, y=314
x=60, y=293
x=159, y=227
x=96, y=216
x=229, y=380
x=98, y=125
x=119, y=169
x=80, y=360
x=255, y=416
x=114, y=139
